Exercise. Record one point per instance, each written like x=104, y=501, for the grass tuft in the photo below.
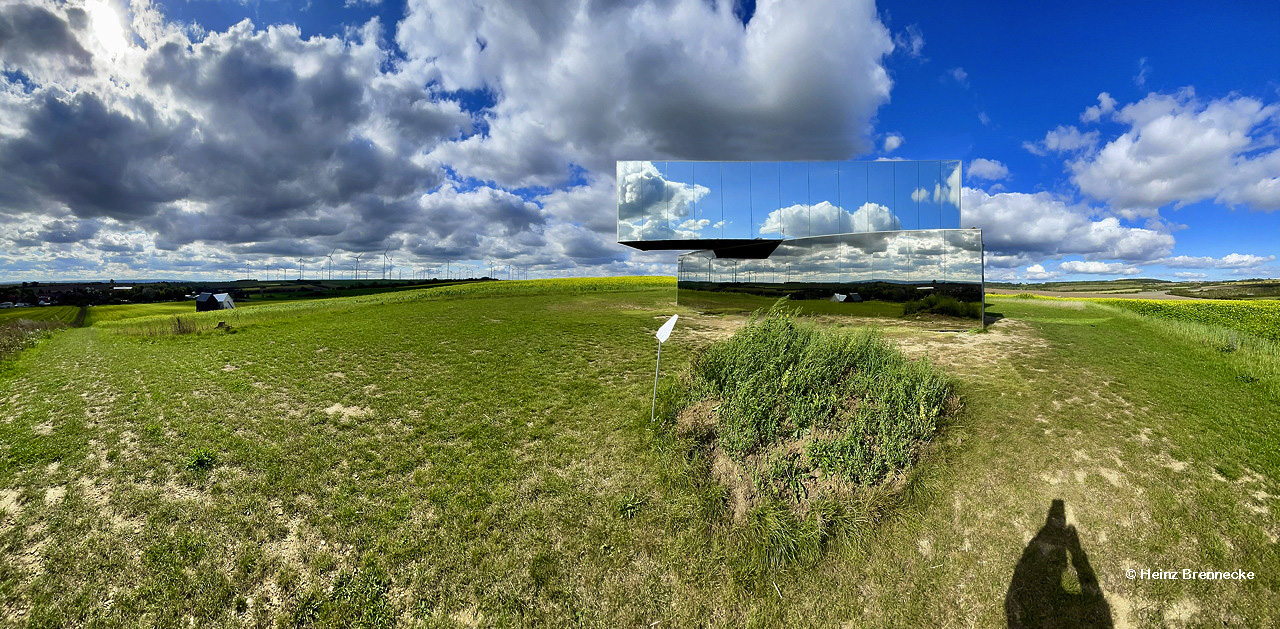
x=630, y=505
x=202, y=460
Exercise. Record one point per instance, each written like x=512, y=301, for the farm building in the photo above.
x=214, y=301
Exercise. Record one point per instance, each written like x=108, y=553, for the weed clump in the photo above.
x=815, y=419
x=202, y=460
x=18, y=335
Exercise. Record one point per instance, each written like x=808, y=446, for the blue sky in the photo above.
x=188, y=138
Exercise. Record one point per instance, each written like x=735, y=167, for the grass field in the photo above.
x=65, y=314
x=99, y=314
x=482, y=455
x=1257, y=318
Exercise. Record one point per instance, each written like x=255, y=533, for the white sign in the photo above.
x=665, y=330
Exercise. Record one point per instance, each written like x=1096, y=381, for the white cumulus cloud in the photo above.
x=988, y=169
x=1098, y=268
x=1039, y=224
x=1037, y=272
x=1180, y=149
x=1229, y=261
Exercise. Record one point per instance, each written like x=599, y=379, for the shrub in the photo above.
x=943, y=305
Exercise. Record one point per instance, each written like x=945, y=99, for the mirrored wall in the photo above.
x=662, y=203
x=928, y=271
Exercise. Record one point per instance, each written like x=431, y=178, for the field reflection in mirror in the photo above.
x=887, y=273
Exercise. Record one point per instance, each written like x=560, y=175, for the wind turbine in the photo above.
x=330, y=256
x=357, y=266
x=299, y=269
x=384, y=263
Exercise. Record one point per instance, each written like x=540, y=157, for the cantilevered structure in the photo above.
x=875, y=232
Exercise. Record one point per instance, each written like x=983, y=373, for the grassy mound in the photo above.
x=809, y=419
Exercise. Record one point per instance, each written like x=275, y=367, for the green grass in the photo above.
x=1260, y=319
x=483, y=455
x=65, y=314
x=152, y=312
x=102, y=314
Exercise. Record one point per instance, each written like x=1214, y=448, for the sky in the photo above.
x=215, y=139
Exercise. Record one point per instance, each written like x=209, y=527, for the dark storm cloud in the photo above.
x=28, y=33
x=70, y=231
x=283, y=143
x=588, y=249
x=266, y=139
x=91, y=159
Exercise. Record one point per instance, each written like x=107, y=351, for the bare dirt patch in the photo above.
x=696, y=419
x=347, y=412
x=742, y=492
x=1005, y=340
x=99, y=495
x=1112, y=476
x=53, y=495
x=10, y=502
x=705, y=329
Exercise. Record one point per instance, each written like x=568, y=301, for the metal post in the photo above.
x=653, y=406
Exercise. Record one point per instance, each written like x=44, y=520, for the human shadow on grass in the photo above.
x=1037, y=595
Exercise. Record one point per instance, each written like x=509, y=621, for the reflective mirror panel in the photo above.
x=906, y=199
x=663, y=205
x=793, y=218
x=735, y=198
x=826, y=213
x=936, y=272
x=930, y=202
x=708, y=207
x=949, y=193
